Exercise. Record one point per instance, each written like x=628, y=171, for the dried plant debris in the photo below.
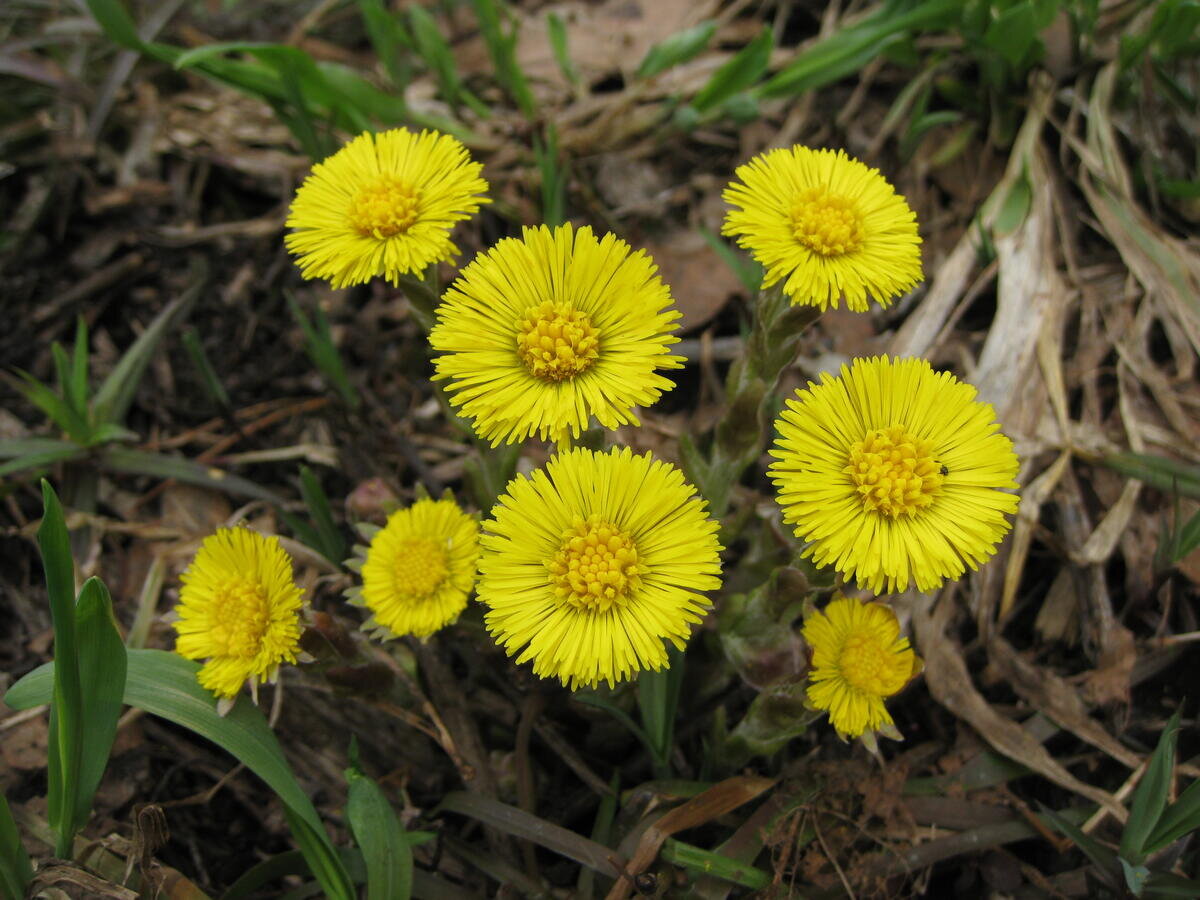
x=172, y=375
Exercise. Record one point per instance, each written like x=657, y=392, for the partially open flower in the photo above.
x=859, y=658
x=239, y=609
x=419, y=569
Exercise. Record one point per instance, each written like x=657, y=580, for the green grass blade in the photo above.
x=706, y=862
x=115, y=395
x=436, y=52
x=55, y=406
x=114, y=19
x=1150, y=799
x=748, y=270
x=40, y=457
x=15, y=868
x=209, y=380
x=849, y=49
x=1180, y=818
x=1104, y=859
x=331, y=543
x=102, y=666
x=1164, y=474
x=502, y=49
x=391, y=42
x=554, y=178
x=556, y=31
x=164, y=684
x=79, y=368
x=383, y=842
x=318, y=342
x=155, y=465
x=65, y=698
x=676, y=49
x=1168, y=884
x=739, y=74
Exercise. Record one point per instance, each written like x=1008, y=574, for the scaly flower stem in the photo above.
x=749, y=393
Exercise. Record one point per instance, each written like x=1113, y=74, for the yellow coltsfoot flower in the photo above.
x=591, y=563
x=383, y=206
x=827, y=225
x=539, y=335
x=895, y=474
x=239, y=609
x=419, y=569
x=859, y=658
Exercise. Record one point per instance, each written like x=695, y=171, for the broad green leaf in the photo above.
x=676, y=49
x=322, y=857
x=155, y=465
x=65, y=697
x=383, y=842
x=102, y=665
x=165, y=685
x=115, y=396
x=1180, y=818
x=738, y=74
x=1013, y=33
x=15, y=868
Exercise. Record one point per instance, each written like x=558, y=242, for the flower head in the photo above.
x=894, y=473
x=419, y=569
x=828, y=224
x=239, y=609
x=383, y=205
x=539, y=334
x=858, y=658
x=590, y=563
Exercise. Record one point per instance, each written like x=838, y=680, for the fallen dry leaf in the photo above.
x=950, y=684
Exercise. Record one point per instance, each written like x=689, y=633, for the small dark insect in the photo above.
x=945, y=471
x=646, y=883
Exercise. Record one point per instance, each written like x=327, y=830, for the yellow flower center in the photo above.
x=556, y=341
x=240, y=616
x=420, y=567
x=385, y=207
x=596, y=567
x=873, y=667
x=894, y=473
x=826, y=223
